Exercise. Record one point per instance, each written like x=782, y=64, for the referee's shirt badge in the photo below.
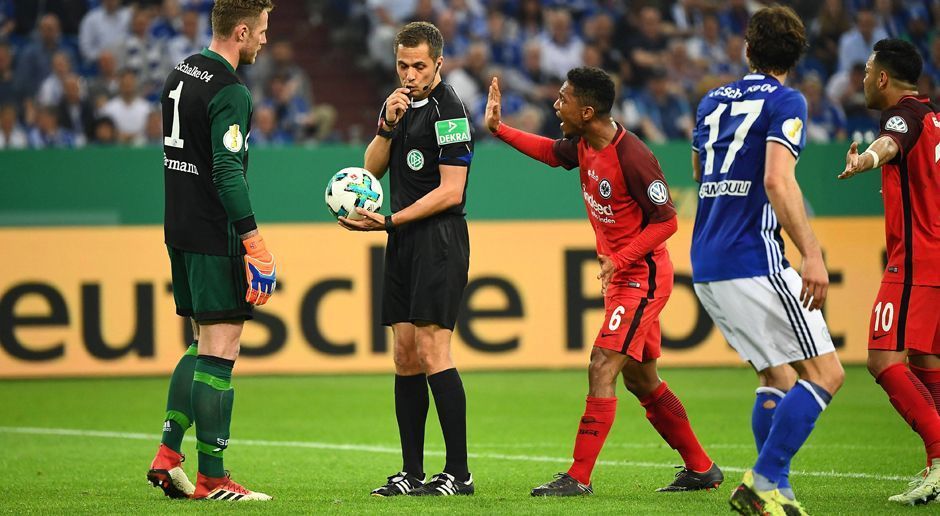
x=415, y=160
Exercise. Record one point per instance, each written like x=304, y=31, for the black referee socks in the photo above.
x=451, y=403
x=411, y=410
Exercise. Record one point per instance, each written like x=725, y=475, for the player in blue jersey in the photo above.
x=748, y=136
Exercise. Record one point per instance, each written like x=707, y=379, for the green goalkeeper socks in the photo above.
x=179, y=405
x=212, y=398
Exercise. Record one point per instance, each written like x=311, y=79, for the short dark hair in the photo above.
x=416, y=33
x=227, y=14
x=776, y=39
x=592, y=87
x=900, y=59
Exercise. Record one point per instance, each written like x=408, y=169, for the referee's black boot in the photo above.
x=400, y=483
x=444, y=484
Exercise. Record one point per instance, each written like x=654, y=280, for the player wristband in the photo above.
x=245, y=225
x=389, y=226
x=874, y=157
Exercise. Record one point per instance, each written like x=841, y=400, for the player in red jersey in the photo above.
x=904, y=333
x=629, y=208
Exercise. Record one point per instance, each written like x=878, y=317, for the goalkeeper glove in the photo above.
x=260, y=271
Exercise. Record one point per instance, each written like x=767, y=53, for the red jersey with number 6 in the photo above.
x=624, y=190
x=911, y=190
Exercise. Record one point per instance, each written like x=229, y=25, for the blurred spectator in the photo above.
x=561, y=47
x=599, y=32
x=169, y=22
x=825, y=120
x=647, y=47
x=455, y=43
x=683, y=71
x=153, y=134
x=931, y=63
x=503, y=37
x=825, y=31
x=191, y=40
x=384, y=18
x=734, y=63
x=891, y=18
x=265, y=131
x=515, y=110
x=470, y=81
x=295, y=116
x=128, y=110
x=47, y=133
x=12, y=135
x=855, y=46
x=143, y=55
x=423, y=11
x=105, y=132
x=8, y=92
x=50, y=91
x=76, y=113
x=708, y=48
x=106, y=84
x=470, y=17
x=734, y=17
x=686, y=16
x=530, y=81
x=7, y=22
x=664, y=114
x=530, y=18
x=104, y=27
x=280, y=61
x=34, y=63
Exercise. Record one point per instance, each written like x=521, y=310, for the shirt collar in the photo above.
x=213, y=55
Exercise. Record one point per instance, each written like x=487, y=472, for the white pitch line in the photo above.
x=395, y=450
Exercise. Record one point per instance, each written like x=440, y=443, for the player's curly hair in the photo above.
x=900, y=59
x=227, y=14
x=416, y=33
x=592, y=87
x=776, y=39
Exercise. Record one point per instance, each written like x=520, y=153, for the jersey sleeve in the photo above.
x=646, y=182
x=787, y=121
x=229, y=112
x=454, y=133
x=566, y=150
x=699, y=116
x=902, y=126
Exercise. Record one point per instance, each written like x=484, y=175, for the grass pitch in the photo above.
x=321, y=443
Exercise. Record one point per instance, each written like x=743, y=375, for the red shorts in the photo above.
x=906, y=318
x=631, y=326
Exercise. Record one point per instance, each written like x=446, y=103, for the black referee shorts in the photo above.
x=426, y=265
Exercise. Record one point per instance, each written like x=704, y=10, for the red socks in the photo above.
x=666, y=413
x=931, y=380
x=913, y=401
x=592, y=432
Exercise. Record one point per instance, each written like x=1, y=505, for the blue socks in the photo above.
x=793, y=421
x=768, y=398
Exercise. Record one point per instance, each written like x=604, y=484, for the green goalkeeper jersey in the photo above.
x=206, y=120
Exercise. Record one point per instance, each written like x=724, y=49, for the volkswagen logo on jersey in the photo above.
x=658, y=193
x=415, y=160
x=604, y=189
x=896, y=124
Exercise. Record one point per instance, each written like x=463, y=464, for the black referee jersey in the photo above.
x=434, y=131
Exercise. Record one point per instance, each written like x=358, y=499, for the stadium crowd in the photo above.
x=79, y=72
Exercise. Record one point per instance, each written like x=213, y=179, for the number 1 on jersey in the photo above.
x=173, y=140
x=751, y=110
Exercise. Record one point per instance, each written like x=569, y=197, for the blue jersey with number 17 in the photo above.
x=736, y=231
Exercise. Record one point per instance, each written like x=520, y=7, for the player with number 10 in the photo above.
x=747, y=138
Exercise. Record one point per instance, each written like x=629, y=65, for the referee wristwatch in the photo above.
x=389, y=225
x=386, y=134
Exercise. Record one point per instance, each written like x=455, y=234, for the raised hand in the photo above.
x=491, y=116
x=395, y=106
x=851, y=162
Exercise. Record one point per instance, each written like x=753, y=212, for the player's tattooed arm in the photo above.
x=881, y=151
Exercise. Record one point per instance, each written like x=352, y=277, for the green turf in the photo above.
x=521, y=427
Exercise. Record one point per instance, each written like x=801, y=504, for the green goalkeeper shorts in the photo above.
x=209, y=288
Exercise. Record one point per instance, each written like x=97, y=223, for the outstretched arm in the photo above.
x=532, y=145
x=882, y=150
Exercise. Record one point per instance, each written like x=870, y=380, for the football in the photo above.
x=353, y=188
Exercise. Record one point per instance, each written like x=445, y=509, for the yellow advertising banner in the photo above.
x=97, y=301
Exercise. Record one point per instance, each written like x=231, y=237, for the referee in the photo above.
x=425, y=139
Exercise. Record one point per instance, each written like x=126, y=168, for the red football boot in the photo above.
x=167, y=474
x=224, y=489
